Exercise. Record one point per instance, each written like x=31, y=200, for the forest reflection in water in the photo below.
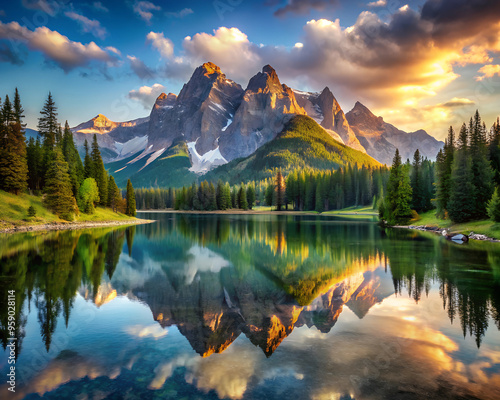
x=219, y=279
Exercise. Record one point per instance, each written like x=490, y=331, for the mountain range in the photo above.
x=215, y=122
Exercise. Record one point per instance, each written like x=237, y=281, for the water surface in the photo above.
x=251, y=307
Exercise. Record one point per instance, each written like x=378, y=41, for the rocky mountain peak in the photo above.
x=265, y=81
x=360, y=115
x=210, y=68
x=165, y=100
x=101, y=121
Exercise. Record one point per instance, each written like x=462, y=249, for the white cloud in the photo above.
x=57, y=48
x=88, y=25
x=180, y=14
x=147, y=95
x=379, y=3
x=164, y=45
x=144, y=8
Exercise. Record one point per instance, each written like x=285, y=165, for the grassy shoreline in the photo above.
x=484, y=227
x=14, y=216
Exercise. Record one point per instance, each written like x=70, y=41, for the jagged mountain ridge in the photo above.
x=381, y=138
x=219, y=122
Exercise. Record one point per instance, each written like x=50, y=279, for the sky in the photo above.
x=421, y=64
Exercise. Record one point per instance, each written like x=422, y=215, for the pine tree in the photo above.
x=13, y=163
x=461, y=207
x=88, y=166
x=399, y=193
x=58, y=187
x=212, y=200
x=34, y=156
x=47, y=123
x=242, y=198
x=18, y=110
x=279, y=190
x=99, y=172
x=494, y=150
x=417, y=183
x=493, y=207
x=251, y=195
x=8, y=116
x=72, y=158
x=444, y=163
x=130, y=208
x=482, y=174
x=114, y=196
x=227, y=196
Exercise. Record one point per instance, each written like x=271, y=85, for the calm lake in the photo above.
x=250, y=307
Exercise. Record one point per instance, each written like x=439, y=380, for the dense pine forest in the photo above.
x=51, y=166
x=301, y=190
x=467, y=176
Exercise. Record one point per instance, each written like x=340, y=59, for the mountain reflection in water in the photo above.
x=338, y=308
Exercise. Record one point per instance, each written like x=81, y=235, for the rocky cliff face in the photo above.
x=325, y=110
x=381, y=139
x=201, y=112
x=266, y=107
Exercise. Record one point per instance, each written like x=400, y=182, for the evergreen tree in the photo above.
x=494, y=151
x=114, y=196
x=8, y=116
x=18, y=110
x=99, y=172
x=34, y=156
x=212, y=200
x=219, y=196
x=242, y=198
x=88, y=166
x=58, y=187
x=399, y=193
x=461, y=207
x=73, y=159
x=227, y=195
x=418, y=201
x=444, y=163
x=279, y=190
x=251, y=195
x=494, y=206
x=130, y=208
x=47, y=123
x=482, y=174
x=13, y=163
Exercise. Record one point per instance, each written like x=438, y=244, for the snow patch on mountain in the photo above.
x=204, y=163
x=153, y=157
x=130, y=147
x=229, y=122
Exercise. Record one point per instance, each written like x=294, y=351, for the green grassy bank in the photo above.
x=484, y=227
x=14, y=212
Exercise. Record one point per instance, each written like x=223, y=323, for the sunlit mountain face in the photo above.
x=252, y=307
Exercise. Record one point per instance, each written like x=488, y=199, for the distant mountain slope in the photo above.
x=169, y=168
x=381, y=139
x=117, y=140
x=301, y=144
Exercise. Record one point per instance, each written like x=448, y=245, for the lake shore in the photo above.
x=347, y=212
x=439, y=231
x=60, y=226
